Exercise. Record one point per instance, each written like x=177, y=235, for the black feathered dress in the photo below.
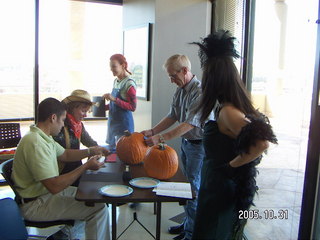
x=225, y=190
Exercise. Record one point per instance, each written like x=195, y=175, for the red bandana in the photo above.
x=76, y=126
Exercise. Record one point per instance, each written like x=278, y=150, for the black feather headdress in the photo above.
x=216, y=45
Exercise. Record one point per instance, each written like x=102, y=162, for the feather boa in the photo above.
x=258, y=129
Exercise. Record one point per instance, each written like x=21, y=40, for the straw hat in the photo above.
x=78, y=96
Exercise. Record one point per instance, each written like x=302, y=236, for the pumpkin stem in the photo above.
x=162, y=146
x=127, y=133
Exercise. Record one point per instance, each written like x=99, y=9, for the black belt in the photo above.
x=197, y=141
x=25, y=200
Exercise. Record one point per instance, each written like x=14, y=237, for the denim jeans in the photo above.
x=191, y=157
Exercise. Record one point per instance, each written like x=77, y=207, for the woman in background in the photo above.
x=233, y=143
x=123, y=101
x=73, y=133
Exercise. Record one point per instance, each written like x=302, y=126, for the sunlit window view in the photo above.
x=76, y=40
x=75, y=46
x=16, y=58
x=283, y=68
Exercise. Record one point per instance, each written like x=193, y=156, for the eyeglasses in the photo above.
x=174, y=76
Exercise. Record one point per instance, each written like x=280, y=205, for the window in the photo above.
x=75, y=47
x=76, y=40
x=16, y=58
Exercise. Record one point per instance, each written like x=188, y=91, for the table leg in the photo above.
x=158, y=221
x=114, y=221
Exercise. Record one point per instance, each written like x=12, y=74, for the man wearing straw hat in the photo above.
x=73, y=133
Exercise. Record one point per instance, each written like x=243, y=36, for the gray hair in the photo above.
x=177, y=61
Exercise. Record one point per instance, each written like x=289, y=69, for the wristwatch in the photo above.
x=161, y=139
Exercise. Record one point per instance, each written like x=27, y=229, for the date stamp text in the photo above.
x=271, y=214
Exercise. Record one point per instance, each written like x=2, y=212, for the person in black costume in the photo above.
x=234, y=142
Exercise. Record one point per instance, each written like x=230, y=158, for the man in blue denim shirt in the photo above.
x=184, y=110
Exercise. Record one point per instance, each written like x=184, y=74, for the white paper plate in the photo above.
x=116, y=190
x=144, y=182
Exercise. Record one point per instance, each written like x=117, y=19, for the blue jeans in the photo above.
x=191, y=157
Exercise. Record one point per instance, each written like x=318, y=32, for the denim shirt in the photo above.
x=185, y=106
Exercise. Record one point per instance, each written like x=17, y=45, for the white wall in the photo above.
x=176, y=23
x=135, y=13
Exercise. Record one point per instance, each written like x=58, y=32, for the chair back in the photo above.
x=10, y=135
x=6, y=171
x=12, y=224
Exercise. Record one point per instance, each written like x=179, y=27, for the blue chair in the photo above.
x=6, y=171
x=12, y=224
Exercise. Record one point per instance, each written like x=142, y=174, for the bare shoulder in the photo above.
x=231, y=120
x=231, y=113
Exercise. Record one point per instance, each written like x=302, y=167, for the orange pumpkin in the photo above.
x=161, y=162
x=131, y=148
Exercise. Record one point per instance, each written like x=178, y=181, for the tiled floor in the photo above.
x=279, y=190
x=147, y=218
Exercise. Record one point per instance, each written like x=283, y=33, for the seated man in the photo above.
x=46, y=195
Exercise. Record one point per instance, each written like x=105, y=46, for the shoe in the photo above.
x=176, y=229
x=179, y=237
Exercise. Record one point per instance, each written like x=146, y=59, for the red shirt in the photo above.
x=131, y=104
